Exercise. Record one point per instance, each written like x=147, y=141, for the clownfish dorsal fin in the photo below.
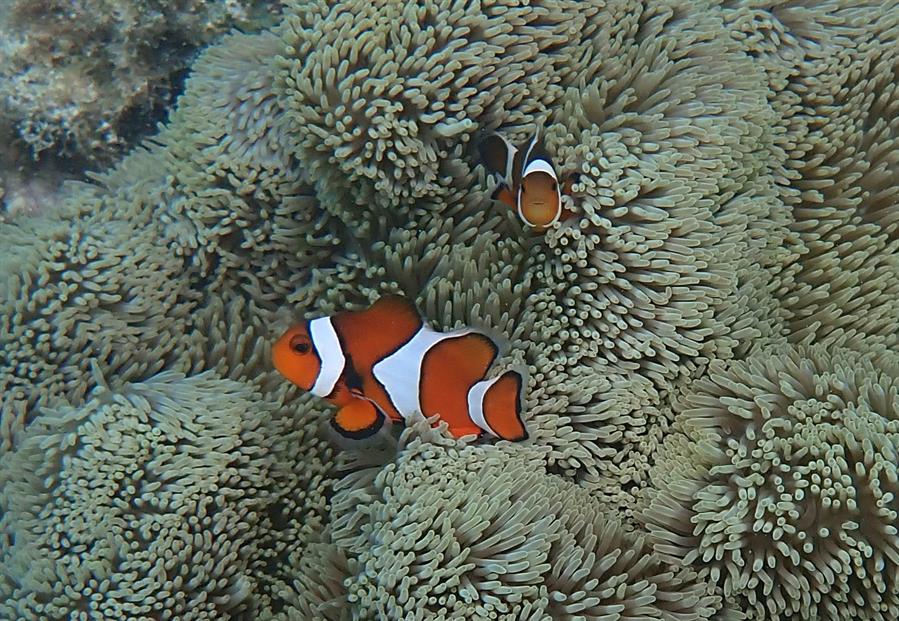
x=396, y=307
x=391, y=313
x=499, y=156
x=528, y=152
x=536, y=150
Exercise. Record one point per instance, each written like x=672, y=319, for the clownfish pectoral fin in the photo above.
x=568, y=181
x=504, y=195
x=498, y=156
x=496, y=404
x=358, y=419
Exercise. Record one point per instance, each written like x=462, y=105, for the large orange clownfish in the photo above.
x=385, y=361
x=528, y=181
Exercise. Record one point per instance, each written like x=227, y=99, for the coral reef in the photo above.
x=711, y=339
x=76, y=75
x=84, y=81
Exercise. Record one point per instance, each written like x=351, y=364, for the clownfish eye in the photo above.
x=300, y=344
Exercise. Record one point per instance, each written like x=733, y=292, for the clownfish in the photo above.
x=528, y=181
x=385, y=361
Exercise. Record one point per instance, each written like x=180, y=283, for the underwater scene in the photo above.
x=577, y=310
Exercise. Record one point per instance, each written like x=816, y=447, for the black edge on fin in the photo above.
x=498, y=156
x=518, y=398
x=499, y=188
x=529, y=149
x=362, y=433
x=400, y=300
x=537, y=151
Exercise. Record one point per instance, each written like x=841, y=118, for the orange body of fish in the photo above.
x=385, y=361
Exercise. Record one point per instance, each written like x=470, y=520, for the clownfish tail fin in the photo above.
x=497, y=403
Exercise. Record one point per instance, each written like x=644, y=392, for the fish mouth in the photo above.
x=543, y=207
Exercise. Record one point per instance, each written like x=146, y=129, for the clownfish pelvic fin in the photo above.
x=358, y=419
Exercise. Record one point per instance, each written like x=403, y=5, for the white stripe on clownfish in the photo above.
x=385, y=361
x=476, y=404
x=333, y=362
x=527, y=154
x=539, y=166
x=400, y=372
x=511, y=153
x=540, y=205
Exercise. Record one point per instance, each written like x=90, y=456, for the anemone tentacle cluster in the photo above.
x=711, y=339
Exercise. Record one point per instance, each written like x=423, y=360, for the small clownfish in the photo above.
x=528, y=180
x=385, y=361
